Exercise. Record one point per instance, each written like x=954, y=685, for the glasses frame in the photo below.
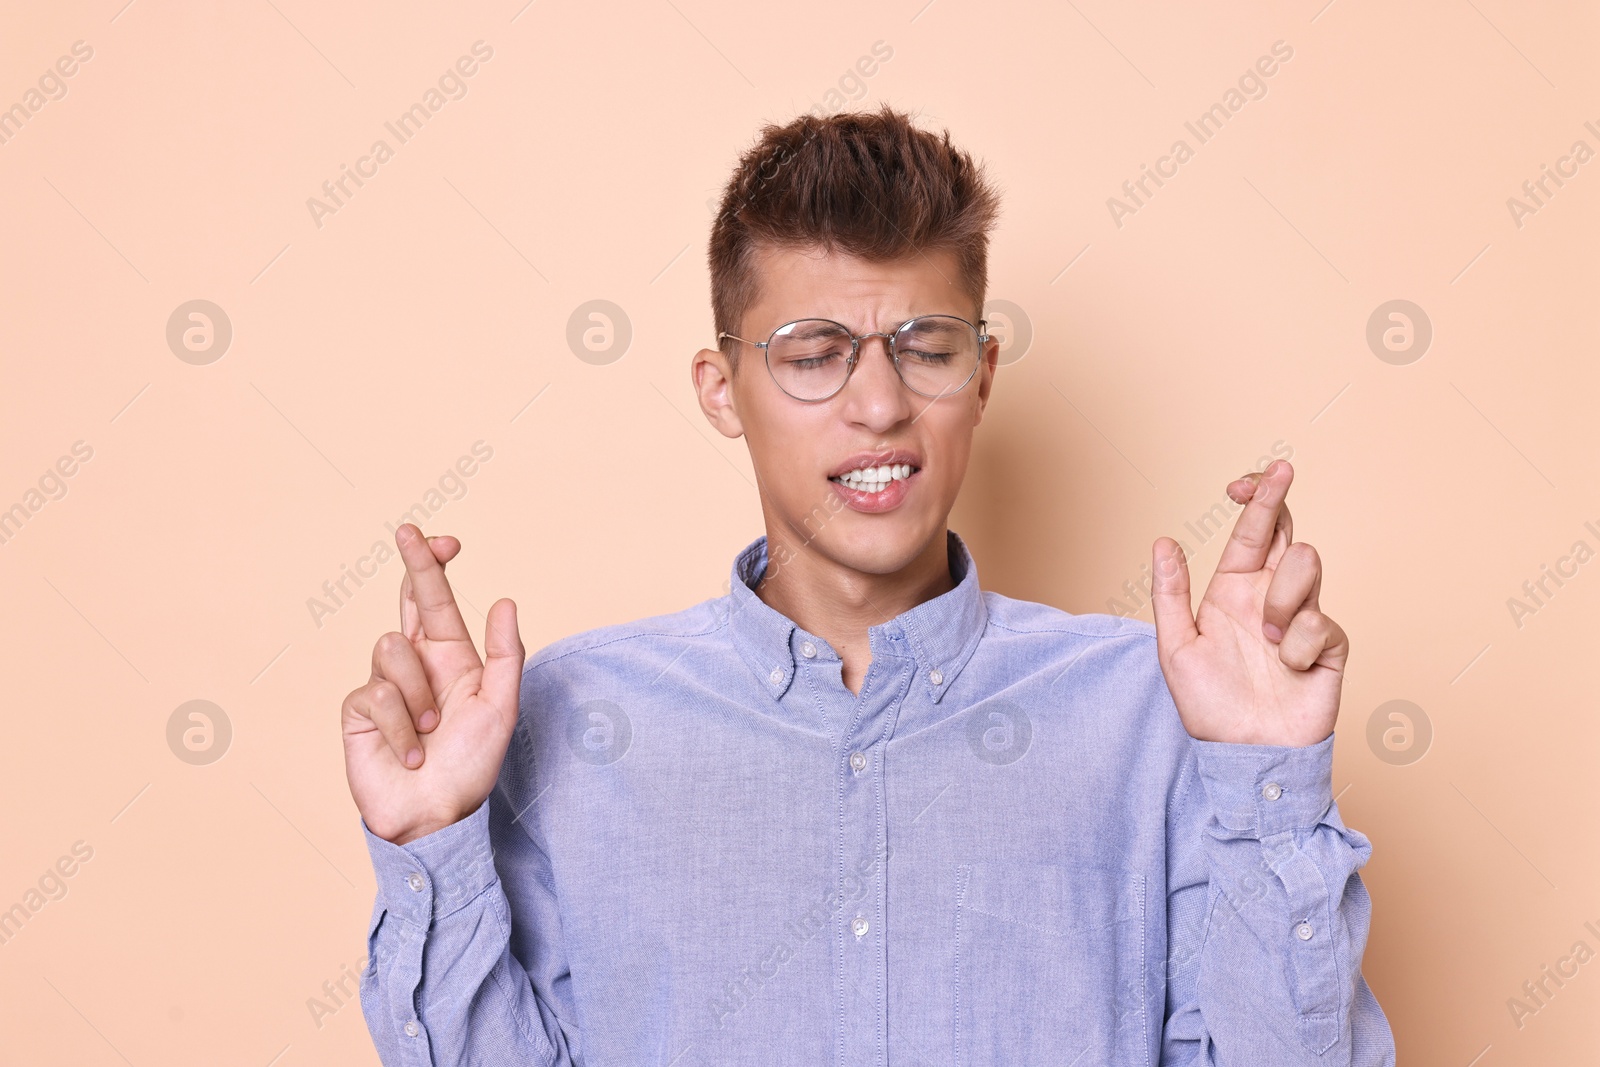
x=855, y=353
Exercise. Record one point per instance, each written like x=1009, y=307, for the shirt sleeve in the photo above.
x=1267, y=918
x=443, y=984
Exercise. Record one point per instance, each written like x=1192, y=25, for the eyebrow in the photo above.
x=940, y=327
x=812, y=330
x=816, y=329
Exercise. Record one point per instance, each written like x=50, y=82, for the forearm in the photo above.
x=1277, y=975
x=442, y=985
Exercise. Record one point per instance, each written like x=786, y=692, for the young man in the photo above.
x=859, y=810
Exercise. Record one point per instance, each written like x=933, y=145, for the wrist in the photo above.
x=405, y=833
x=410, y=834
x=1260, y=790
x=1271, y=734
x=431, y=875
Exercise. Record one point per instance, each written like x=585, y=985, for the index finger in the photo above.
x=1252, y=536
x=440, y=617
x=1283, y=534
x=444, y=548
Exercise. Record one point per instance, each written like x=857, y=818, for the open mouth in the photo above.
x=875, y=479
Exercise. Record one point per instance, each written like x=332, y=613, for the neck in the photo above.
x=839, y=603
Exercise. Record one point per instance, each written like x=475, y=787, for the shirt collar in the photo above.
x=939, y=634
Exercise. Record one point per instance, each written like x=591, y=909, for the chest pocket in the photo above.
x=1049, y=966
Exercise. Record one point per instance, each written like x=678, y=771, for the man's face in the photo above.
x=799, y=449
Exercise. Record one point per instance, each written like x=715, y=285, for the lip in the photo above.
x=888, y=498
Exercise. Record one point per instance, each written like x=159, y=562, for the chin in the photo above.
x=875, y=544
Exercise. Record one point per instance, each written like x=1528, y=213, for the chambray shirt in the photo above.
x=704, y=849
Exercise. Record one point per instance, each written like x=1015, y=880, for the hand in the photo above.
x=1260, y=664
x=425, y=737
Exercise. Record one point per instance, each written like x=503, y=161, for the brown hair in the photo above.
x=867, y=183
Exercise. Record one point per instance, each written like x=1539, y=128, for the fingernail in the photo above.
x=413, y=757
x=1274, y=634
x=428, y=720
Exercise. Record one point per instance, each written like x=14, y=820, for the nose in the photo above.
x=875, y=396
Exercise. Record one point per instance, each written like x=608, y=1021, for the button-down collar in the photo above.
x=939, y=634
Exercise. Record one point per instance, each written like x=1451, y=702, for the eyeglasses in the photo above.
x=811, y=359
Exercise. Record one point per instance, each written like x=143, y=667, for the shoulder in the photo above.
x=1109, y=656
x=1029, y=621
x=636, y=640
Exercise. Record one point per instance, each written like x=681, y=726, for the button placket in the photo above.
x=860, y=907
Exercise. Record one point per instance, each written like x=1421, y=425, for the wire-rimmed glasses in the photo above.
x=812, y=359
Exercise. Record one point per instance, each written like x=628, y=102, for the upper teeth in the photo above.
x=875, y=477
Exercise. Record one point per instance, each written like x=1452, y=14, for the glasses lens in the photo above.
x=809, y=359
x=938, y=354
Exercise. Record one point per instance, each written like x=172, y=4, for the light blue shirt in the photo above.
x=704, y=849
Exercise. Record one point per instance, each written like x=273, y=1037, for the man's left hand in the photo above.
x=1260, y=664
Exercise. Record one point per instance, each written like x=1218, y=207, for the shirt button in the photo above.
x=858, y=926
x=1303, y=931
x=776, y=676
x=936, y=676
x=858, y=762
x=808, y=650
x=414, y=880
x=411, y=1028
x=1272, y=791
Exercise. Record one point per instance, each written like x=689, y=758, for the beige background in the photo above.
x=1168, y=355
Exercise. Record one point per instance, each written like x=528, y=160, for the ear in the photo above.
x=711, y=375
x=986, y=372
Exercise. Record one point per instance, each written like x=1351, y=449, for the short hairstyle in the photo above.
x=870, y=184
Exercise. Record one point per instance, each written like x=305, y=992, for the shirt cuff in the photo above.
x=1265, y=789
x=436, y=874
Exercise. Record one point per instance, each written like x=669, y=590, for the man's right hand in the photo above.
x=425, y=737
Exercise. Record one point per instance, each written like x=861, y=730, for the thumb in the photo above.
x=503, y=656
x=1169, y=598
